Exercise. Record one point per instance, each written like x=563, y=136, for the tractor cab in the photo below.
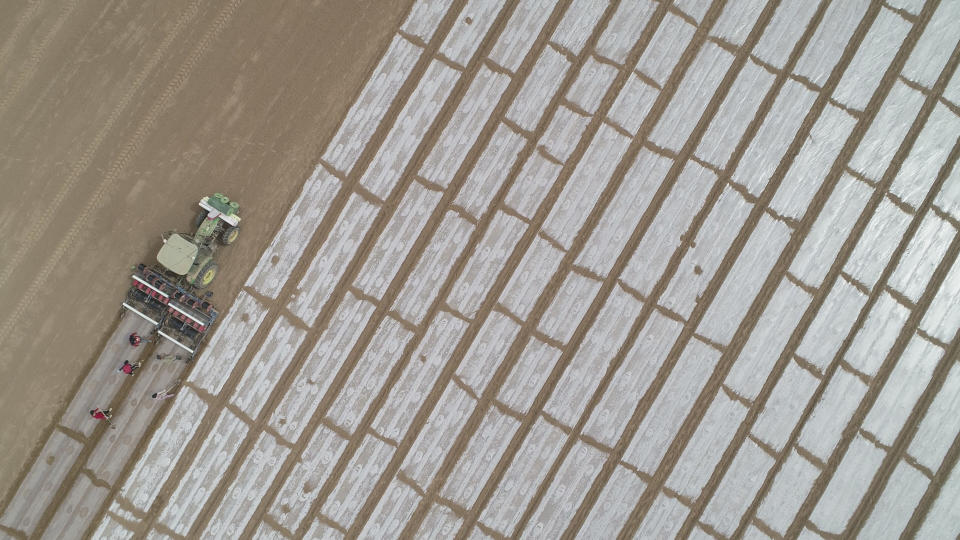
x=178, y=254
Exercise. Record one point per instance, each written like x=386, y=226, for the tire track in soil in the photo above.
x=350, y=185
x=64, y=72
x=679, y=443
x=129, y=149
x=26, y=16
x=36, y=55
x=833, y=274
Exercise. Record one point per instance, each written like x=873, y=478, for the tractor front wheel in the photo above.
x=206, y=275
x=229, y=235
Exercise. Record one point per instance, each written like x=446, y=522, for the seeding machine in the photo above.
x=168, y=294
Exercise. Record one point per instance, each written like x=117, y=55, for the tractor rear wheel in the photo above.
x=201, y=215
x=206, y=275
x=229, y=235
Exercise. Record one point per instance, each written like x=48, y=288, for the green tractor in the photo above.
x=191, y=257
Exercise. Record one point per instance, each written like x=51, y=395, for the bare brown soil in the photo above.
x=117, y=118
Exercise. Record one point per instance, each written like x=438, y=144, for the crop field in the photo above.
x=584, y=269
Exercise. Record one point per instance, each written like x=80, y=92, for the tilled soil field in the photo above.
x=552, y=269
